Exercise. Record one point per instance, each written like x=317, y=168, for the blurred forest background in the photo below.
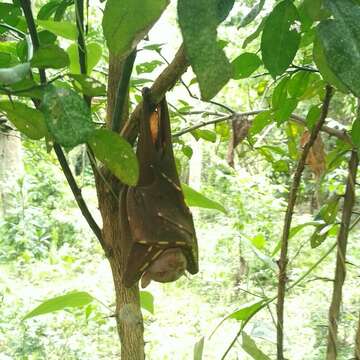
x=47, y=249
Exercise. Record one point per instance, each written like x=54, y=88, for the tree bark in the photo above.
x=128, y=313
x=340, y=271
x=11, y=166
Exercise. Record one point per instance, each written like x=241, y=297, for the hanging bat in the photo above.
x=156, y=223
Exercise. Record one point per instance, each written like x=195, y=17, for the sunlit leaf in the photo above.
x=93, y=56
x=27, y=120
x=74, y=299
x=298, y=84
x=260, y=122
x=126, y=22
x=194, y=198
x=67, y=116
x=199, y=349
x=249, y=346
x=246, y=311
x=198, y=22
x=207, y=135
x=147, y=301
x=64, y=29
x=116, y=154
x=280, y=38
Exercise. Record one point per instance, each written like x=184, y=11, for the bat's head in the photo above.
x=168, y=267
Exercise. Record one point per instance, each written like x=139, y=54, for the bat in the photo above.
x=156, y=224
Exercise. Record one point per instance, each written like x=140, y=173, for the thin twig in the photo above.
x=340, y=270
x=287, y=225
x=26, y=6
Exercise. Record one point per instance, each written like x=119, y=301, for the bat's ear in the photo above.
x=145, y=280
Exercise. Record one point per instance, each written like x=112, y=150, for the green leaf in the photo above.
x=294, y=230
x=46, y=37
x=93, y=56
x=67, y=116
x=255, y=34
x=260, y=122
x=147, y=301
x=148, y=67
x=199, y=349
x=64, y=29
x=284, y=112
x=9, y=14
x=116, y=154
x=340, y=40
x=5, y=60
x=249, y=346
x=14, y=74
x=244, y=65
x=247, y=311
x=27, y=120
x=207, y=135
x=187, y=151
x=50, y=57
x=195, y=199
x=259, y=241
x=323, y=66
x=26, y=88
x=313, y=116
x=280, y=93
x=73, y=299
x=280, y=40
x=47, y=10
x=298, y=84
x=126, y=22
x=198, y=22
x=252, y=14
x=355, y=132
x=329, y=210
x=88, y=86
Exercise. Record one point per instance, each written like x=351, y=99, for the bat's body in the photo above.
x=156, y=223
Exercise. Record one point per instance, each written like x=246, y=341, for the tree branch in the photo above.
x=287, y=224
x=340, y=270
x=26, y=6
x=342, y=135
x=166, y=80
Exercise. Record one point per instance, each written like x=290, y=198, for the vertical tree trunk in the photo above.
x=128, y=313
x=11, y=166
x=357, y=341
x=340, y=271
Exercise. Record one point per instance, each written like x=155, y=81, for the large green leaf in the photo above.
x=260, y=122
x=93, y=56
x=194, y=198
x=64, y=29
x=199, y=349
x=73, y=299
x=67, y=116
x=14, y=74
x=147, y=301
x=249, y=345
x=27, y=120
x=50, y=56
x=323, y=66
x=116, y=154
x=126, y=22
x=198, y=22
x=340, y=38
x=244, y=65
x=280, y=39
